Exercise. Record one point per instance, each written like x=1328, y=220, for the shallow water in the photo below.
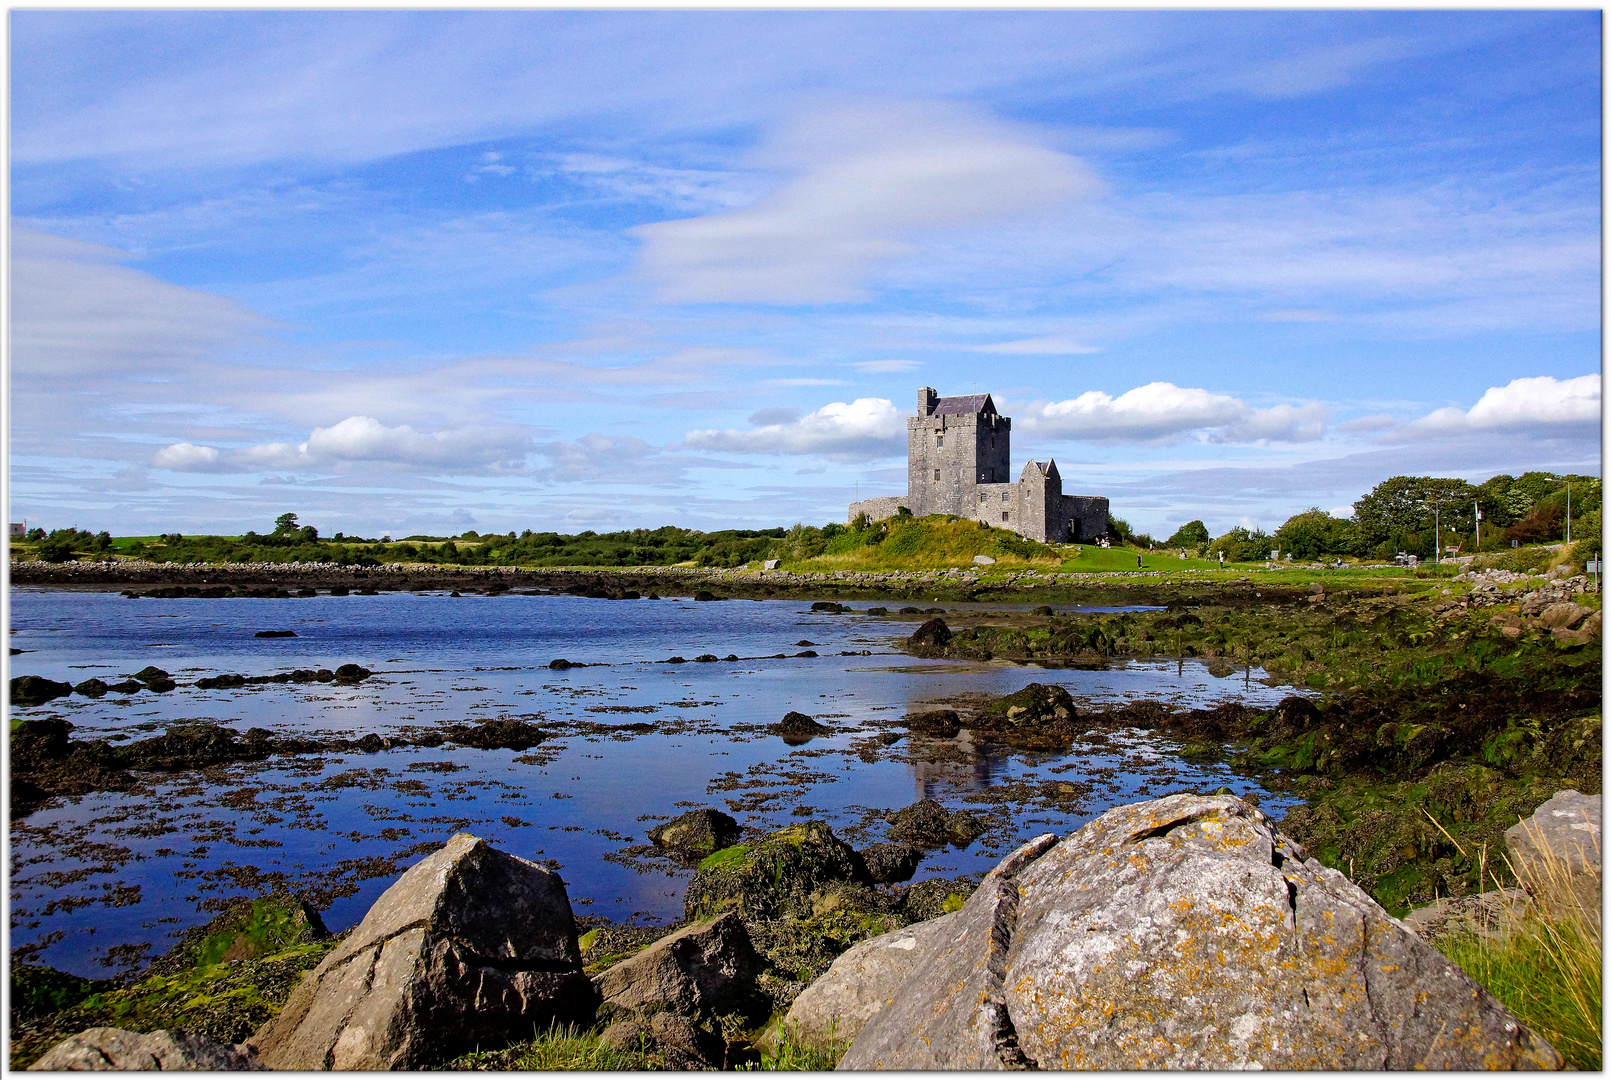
x=100, y=881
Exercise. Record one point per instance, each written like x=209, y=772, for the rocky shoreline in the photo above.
x=1184, y=932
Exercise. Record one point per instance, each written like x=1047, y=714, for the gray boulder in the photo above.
x=1559, y=847
x=470, y=946
x=835, y=1007
x=1563, y=616
x=106, y=1049
x=1185, y=933
x=928, y=824
x=704, y=969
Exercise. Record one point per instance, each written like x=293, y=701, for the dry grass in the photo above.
x=1544, y=963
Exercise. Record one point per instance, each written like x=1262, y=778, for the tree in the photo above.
x=1405, y=504
x=1314, y=533
x=285, y=523
x=1192, y=534
x=1240, y=545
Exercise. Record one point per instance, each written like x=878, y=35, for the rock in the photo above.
x=704, y=595
x=1559, y=846
x=283, y=633
x=928, y=824
x=941, y=723
x=889, y=863
x=703, y=970
x=352, y=673
x=33, y=690
x=698, y=832
x=1487, y=914
x=508, y=734
x=1035, y=706
x=771, y=564
x=983, y=560
x=107, y=1049
x=930, y=639
x=933, y=897
x=221, y=682
x=1185, y=933
x=773, y=877
x=1563, y=616
x=683, y=1046
x=800, y=726
x=560, y=664
x=471, y=946
x=629, y=1035
x=835, y=1007
x=828, y=606
x=91, y=688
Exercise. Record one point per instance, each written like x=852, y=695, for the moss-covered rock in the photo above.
x=699, y=832
x=776, y=876
x=223, y=980
x=33, y=690
x=1035, y=706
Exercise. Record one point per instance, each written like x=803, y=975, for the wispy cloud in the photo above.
x=871, y=178
x=364, y=440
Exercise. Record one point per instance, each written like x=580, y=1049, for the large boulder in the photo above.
x=835, y=1007
x=1037, y=705
x=940, y=723
x=1185, y=933
x=1558, y=849
x=106, y=1049
x=774, y=877
x=698, y=832
x=470, y=946
x=705, y=969
x=1563, y=616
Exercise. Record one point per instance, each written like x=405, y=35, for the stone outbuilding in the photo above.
x=959, y=462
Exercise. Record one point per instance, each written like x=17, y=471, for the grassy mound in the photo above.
x=906, y=543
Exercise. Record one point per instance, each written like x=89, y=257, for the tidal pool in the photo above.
x=101, y=882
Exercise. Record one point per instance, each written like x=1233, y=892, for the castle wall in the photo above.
x=1085, y=517
x=878, y=509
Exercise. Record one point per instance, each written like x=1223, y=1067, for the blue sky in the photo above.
x=426, y=271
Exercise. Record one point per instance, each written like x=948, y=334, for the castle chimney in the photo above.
x=927, y=401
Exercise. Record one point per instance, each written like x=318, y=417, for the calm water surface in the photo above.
x=102, y=881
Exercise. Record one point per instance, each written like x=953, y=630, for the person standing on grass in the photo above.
x=1222, y=560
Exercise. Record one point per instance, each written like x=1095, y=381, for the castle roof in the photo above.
x=968, y=405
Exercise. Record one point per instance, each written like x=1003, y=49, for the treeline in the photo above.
x=1412, y=514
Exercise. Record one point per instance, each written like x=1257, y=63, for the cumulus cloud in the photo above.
x=1162, y=412
x=864, y=430
x=1540, y=405
x=868, y=180
x=364, y=440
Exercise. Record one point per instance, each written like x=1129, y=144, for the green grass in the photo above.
x=786, y=1054
x=560, y=1049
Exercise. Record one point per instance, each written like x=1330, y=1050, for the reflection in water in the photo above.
x=634, y=740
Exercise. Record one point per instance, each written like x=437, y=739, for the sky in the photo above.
x=429, y=271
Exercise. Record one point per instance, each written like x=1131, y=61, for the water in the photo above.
x=102, y=881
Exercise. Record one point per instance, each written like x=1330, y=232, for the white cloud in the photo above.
x=864, y=430
x=1541, y=405
x=186, y=457
x=364, y=440
x=1161, y=412
x=871, y=179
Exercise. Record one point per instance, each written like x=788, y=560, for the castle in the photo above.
x=959, y=461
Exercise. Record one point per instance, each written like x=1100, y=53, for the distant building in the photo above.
x=959, y=461
x=19, y=529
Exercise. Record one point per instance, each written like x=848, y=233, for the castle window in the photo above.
x=936, y=474
x=1005, y=516
x=939, y=440
x=1006, y=496
x=984, y=498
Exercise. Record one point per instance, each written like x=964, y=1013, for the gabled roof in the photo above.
x=969, y=405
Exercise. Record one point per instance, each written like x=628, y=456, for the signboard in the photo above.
x=1593, y=566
